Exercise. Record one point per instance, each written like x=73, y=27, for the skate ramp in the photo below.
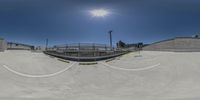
x=174, y=76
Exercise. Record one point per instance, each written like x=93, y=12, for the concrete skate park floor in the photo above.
x=147, y=75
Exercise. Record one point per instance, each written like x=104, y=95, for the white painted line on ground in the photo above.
x=37, y=76
x=136, y=69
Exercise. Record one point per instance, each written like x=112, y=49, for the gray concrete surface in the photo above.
x=175, y=77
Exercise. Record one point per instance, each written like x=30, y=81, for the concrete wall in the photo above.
x=187, y=44
x=18, y=46
x=176, y=44
x=2, y=45
x=167, y=45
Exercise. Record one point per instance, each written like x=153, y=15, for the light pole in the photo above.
x=47, y=42
x=110, y=33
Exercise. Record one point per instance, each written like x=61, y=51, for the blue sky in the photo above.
x=69, y=21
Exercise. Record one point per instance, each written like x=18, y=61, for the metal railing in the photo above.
x=80, y=47
x=87, y=50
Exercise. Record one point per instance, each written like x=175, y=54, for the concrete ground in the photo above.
x=147, y=75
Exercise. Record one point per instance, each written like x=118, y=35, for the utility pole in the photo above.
x=110, y=33
x=47, y=42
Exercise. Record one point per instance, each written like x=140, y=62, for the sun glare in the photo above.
x=99, y=12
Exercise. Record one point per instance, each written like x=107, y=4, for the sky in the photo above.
x=70, y=21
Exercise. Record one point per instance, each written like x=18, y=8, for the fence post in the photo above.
x=66, y=49
x=93, y=45
x=79, y=51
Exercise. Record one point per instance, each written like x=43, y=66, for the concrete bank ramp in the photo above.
x=179, y=44
x=175, y=78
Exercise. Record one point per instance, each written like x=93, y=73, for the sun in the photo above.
x=99, y=12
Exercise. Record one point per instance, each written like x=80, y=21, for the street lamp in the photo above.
x=110, y=33
x=47, y=42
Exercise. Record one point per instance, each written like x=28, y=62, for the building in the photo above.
x=121, y=44
x=19, y=46
x=40, y=48
x=184, y=44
